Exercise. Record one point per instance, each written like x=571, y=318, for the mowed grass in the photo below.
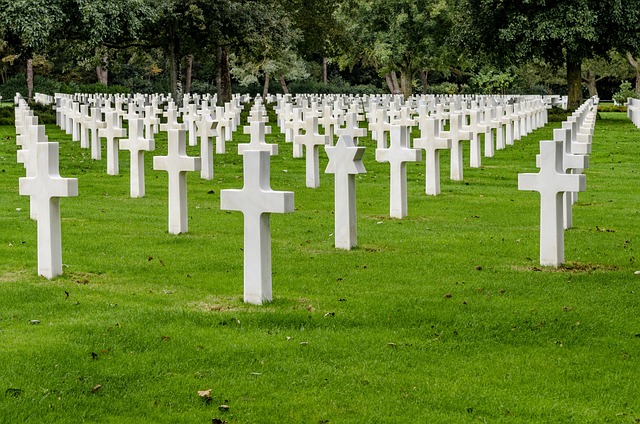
x=442, y=317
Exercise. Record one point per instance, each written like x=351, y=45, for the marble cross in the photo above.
x=345, y=161
x=177, y=164
x=46, y=186
x=551, y=182
x=206, y=131
x=432, y=142
x=94, y=125
x=172, y=120
x=312, y=140
x=136, y=144
x=28, y=157
x=112, y=132
x=352, y=127
x=398, y=154
x=571, y=163
x=257, y=131
x=257, y=201
x=380, y=128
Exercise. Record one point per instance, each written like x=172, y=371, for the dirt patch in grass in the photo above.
x=12, y=276
x=572, y=267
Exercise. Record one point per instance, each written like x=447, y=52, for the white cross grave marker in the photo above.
x=111, y=132
x=257, y=201
x=136, y=144
x=206, y=131
x=345, y=161
x=94, y=125
x=551, y=182
x=177, y=164
x=312, y=140
x=398, y=154
x=432, y=142
x=257, y=131
x=46, y=186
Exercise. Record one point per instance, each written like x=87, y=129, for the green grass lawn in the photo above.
x=442, y=317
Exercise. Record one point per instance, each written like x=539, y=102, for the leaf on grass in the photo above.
x=34, y=322
x=96, y=388
x=217, y=421
x=205, y=394
x=223, y=408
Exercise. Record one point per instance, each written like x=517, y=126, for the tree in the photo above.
x=404, y=36
x=596, y=69
x=563, y=31
x=29, y=24
x=633, y=61
x=269, y=50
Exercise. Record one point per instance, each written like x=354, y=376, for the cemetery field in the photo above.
x=441, y=317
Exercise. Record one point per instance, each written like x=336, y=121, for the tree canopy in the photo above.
x=488, y=45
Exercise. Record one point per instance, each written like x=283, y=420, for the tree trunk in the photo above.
x=283, y=83
x=172, y=57
x=324, y=70
x=223, y=77
x=406, y=83
x=265, y=89
x=635, y=65
x=102, y=70
x=574, y=82
x=30, y=78
x=423, y=77
x=187, y=83
x=590, y=79
x=387, y=77
x=394, y=80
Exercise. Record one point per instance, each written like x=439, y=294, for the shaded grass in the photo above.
x=444, y=316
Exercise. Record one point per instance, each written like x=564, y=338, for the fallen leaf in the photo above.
x=205, y=394
x=223, y=408
x=96, y=388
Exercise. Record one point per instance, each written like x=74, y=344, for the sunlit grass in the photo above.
x=444, y=316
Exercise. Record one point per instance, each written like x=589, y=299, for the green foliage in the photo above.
x=492, y=81
x=46, y=115
x=334, y=86
x=443, y=88
x=624, y=93
x=557, y=114
x=405, y=36
x=7, y=116
x=608, y=107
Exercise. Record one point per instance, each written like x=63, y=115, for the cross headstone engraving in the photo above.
x=177, y=164
x=136, y=144
x=46, y=186
x=257, y=201
x=398, y=154
x=551, y=182
x=345, y=161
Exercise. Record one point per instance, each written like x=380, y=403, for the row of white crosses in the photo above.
x=344, y=161
x=44, y=186
x=561, y=162
x=633, y=111
x=299, y=118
